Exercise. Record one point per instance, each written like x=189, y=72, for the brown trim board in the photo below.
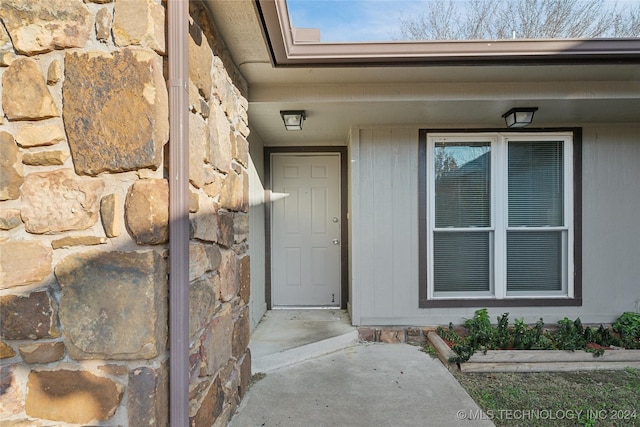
x=286, y=51
x=344, y=231
x=424, y=302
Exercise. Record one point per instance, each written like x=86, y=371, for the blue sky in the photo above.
x=353, y=20
x=363, y=20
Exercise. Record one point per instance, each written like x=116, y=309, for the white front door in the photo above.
x=305, y=236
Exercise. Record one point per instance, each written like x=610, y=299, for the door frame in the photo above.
x=344, y=229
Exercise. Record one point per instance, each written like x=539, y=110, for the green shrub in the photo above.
x=628, y=326
x=571, y=335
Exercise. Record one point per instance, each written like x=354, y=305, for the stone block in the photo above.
x=240, y=227
x=37, y=27
x=9, y=219
x=23, y=263
x=228, y=275
x=139, y=22
x=225, y=232
x=215, y=257
x=58, y=201
x=33, y=135
x=25, y=95
x=203, y=297
x=219, y=142
x=11, y=392
x=241, y=150
x=232, y=194
x=198, y=260
x=367, y=334
x=200, y=174
x=76, y=397
x=28, y=317
x=104, y=19
x=205, y=221
x=216, y=346
x=200, y=61
x=241, y=332
x=45, y=158
x=110, y=215
x=120, y=121
x=41, y=353
x=194, y=201
x=244, y=277
x=54, y=72
x=6, y=352
x=148, y=403
x=211, y=406
x=147, y=211
x=392, y=336
x=10, y=168
x=114, y=304
x=70, y=241
x=245, y=373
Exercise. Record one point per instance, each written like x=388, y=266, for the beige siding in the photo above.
x=384, y=222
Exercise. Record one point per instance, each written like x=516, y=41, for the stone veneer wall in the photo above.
x=84, y=217
x=219, y=325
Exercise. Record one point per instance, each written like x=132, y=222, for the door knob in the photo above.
x=336, y=241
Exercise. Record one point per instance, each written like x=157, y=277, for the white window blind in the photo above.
x=462, y=249
x=500, y=215
x=536, y=197
x=536, y=183
x=462, y=262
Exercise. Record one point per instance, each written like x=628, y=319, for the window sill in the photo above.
x=479, y=302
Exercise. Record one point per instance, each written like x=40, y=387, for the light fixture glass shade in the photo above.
x=293, y=119
x=519, y=117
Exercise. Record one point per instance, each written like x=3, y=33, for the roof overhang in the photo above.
x=289, y=50
x=339, y=94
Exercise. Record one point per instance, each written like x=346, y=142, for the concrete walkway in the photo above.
x=361, y=384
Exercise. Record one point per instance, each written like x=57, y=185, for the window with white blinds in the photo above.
x=500, y=210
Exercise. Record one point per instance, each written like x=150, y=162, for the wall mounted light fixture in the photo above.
x=293, y=119
x=519, y=117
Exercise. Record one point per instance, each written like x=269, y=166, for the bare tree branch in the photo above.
x=522, y=19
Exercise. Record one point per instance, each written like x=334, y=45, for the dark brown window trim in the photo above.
x=286, y=52
x=424, y=302
x=344, y=197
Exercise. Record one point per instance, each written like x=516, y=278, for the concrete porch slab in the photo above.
x=284, y=337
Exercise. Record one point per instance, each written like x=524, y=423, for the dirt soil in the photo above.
x=588, y=398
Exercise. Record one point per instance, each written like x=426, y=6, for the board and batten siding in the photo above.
x=384, y=227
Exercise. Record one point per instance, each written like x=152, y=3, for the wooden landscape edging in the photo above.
x=538, y=360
